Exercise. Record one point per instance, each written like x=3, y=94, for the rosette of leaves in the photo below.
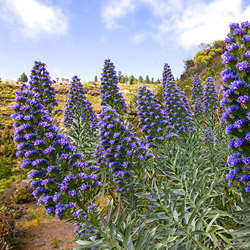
x=236, y=103
x=151, y=116
x=119, y=151
x=79, y=109
x=63, y=182
x=177, y=109
x=110, y=94
x=197, y=97
x=210, y=98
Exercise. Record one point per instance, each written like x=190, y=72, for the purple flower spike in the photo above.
x=210, y=97
x=197, y=97
x=119, y=151
x=54, y=165
x=236, y=103
x=110, y=94
x=153, y=123
x=78, y=107
x=177, y=109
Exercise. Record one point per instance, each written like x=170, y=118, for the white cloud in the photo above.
x=187, y=22
x=139, y=37
x=202, y=22
x=33, y=18
x=115, y=9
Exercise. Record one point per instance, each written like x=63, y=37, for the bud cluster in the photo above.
x=78, y=106
x=151, y=116
x=110, y=94
x=210, y=97
x=177, y=108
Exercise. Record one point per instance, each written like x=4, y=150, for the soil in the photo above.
x=49, y=233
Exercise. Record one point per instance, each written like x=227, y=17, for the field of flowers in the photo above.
x=154, y=173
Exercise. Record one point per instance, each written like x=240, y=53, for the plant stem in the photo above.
x=119, y=209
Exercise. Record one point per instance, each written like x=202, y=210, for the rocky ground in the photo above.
x=37, y=231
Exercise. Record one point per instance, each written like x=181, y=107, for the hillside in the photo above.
x=206, y=62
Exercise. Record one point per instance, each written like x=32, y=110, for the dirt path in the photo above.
x=38, y=231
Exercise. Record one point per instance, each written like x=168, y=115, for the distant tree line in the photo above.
x=132, y=80
x=121, y=79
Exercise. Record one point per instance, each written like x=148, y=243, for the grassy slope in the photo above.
x=7, y=96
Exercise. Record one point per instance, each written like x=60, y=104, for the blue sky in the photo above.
x=74, y=37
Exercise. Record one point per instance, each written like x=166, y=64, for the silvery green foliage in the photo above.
x=180, y=203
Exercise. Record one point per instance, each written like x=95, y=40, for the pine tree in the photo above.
x=23, y=78
x=125, y=79
x=119, y=76
x=140, y=79
x=131, y=80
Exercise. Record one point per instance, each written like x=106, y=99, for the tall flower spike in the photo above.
x=119, y=150
x=109, y=91
x=167, y=74
x=41, y=85
x=59, y=175
x=177, y=109
x=236, y=103
x=210, y=97
x=208, y=136
x=78, y=106
x=197, y=97
x=151, y=116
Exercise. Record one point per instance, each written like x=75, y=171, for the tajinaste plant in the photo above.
x=236, y=103
x=177, y=109
x=119, y=151
x=167, y=74
x=151, y=116
x=110, y=94
x=197, y=97
x=79, y=108
x=210, y=98
x=40, y=83
x=63, y=182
